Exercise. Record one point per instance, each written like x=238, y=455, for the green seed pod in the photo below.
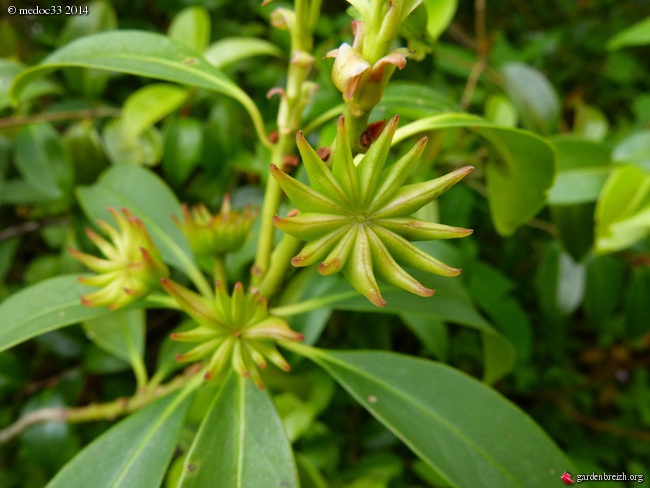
x=133, y=266
x=358, y=219
x=236, y=329
x=213, y=235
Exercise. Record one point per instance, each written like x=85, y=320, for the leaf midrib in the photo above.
x=420, y=407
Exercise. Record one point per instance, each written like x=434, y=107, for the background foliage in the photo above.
x=560, y=304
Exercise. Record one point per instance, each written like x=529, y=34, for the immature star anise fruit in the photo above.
x=358, y=219
x=213, y=235
x=233, y=329
x=133, y=265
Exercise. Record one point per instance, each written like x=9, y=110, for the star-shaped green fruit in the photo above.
x=358, y=219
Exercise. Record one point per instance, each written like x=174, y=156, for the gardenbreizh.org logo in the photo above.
x=568, y=479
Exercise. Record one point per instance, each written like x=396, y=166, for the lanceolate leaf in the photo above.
x=467, y=432
x=517, y=181
x=143, y=54
x=43, y=307
x=241, y=442
x=133, y=453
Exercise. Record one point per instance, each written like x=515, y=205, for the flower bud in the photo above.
x=213, y=235
x=234, y=329
x=133, y=266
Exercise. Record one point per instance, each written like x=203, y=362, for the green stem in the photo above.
x=289, y=119
x=311, y=304
x=220, y=272
x=356, y=122
x=280, y=264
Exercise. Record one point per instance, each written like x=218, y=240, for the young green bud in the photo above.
x=213, y=235
x=133, y=266
x=235, y=329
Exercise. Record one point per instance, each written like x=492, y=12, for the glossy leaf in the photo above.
x=43, y=160
x=191, y=27
x=518, y=181
x=560, y=283
x=534, y=96
x=121, y=333
x=500, y=110
x=135, y=452
x=623, y=209
x=439, y=15
x=86, y=151
x=634, y=149
x=183, y=148
x=451, y=303
x=58, y=305
x=101, y=17
x=583, y=168
x=590, y=122
x=227, y=51
x=575, y=224
x=142, y=54
x=123, y=148
x=148, y=198
x=483, y=442
x=635, y=35
x=8, y=72
x=148, y=105
x=243, y=418
x=414, y=101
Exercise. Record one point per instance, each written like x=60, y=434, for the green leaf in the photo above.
x=439, y=15
x=183, y=148
x=150, y=199
x=148, y=105
x=534, y=96
x=637, y=312
x=135, y=452
x=43, y=160
x=500, y=111
x=467, y=432
x=634, y=149
x=451, y=303
x=590, y=122
x=623, y=209
x=518, y=183
x=101, y=17
x=243, y=418
x=123, y=148
x=45, y=306
x=583, y=167
x=191, y=27
x=232, y=49
x=121, y=333
x=142, y=54
x=575, y=223
x=636, y=35
x=8, y=72
x=414, y=101
x=560, y=282
x=605, y=279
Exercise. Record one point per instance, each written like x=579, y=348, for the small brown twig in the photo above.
x=27, y=227
x=481, y=53
x=102, y=411
x=94, y=113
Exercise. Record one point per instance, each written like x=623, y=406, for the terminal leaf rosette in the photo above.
x=132, y=267
x=358, y=219
x=235, y=329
